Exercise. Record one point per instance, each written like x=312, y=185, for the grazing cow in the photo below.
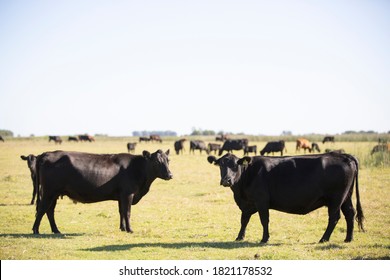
x=340, y=151
x=328, y=139
x=198, y=145
x=72, y=138
x=1, y=138
x=295, y=185
x=250, y=149
x=221, y=138
x=214, y=147
x=90, y=178
x=86, y=137
x=155, y=138
x=274, y=146
x=31, y=164
x=179, y=145
x=56, y=139
x=304, y=144
x=381, y=148
x=144, y=139
x=131, y=147
x=315, y=147
x=233, y=144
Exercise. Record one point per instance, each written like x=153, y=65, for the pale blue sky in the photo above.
x=258, y=67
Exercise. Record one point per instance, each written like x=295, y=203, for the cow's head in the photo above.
x=31, y=160
x=230, y=167
x=160, y=163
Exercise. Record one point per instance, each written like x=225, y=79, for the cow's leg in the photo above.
x=50, y=216
x=42, y=208
x=126, y=201
x=122, y=223
x=264, y=218
x=245, y=217
x=334, y=216
x=349, y=214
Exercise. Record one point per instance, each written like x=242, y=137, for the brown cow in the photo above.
x=304, y=144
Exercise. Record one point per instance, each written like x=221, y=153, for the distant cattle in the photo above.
x=233, y=144
x=31, y=164
x=328, y=139
x=144, y=139
x=250, y=149
x=304, y=144
x=72, y=138
x=295, y=185
x=381, y=148
x=213, y=147
x=131, y=147
x=179, y=146
x=274, y=147
x=221, y=138
x=56, y=139
x=315, y=147
x=1, y=138
x=340, y=151
x=86, y=138
x=156, y=138
x=198, y=145
x=90, y=178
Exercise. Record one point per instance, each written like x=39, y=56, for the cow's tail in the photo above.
x=359, y=214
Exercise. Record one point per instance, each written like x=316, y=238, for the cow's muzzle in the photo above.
x=226, y=182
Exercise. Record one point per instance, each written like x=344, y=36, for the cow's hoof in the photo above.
x=263, y=241
x=239, y=239
x=323, y=240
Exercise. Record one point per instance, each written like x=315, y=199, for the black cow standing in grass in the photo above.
x=274, y=147
x=250, y=149
x=296, y=185
x=328, y=139
x=131, y=147
x=198, y=145
x=233, y=144
x=179, y=145
x=90, y=178
x=31, y=164
x=214, y=147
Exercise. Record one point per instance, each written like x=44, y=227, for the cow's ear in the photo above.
x=244, y=161
x=212, y=159
x=23, y=157
x=146, y=154
x=167, y=152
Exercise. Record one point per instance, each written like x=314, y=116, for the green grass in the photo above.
x=190, y=217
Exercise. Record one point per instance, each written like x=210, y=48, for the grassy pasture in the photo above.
x=189, y=217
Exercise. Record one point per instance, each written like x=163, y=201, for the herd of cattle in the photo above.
x=293, y=184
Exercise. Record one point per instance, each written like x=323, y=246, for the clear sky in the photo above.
x=258, y=67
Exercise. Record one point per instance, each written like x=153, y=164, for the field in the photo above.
x=188, y=218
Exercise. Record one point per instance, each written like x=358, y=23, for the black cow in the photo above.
x=315, y=147
x=86, y=137
x=145, y=139
x=233, y=144
x=179, y=146
x=131, y=147
x=328, y=139
x=90, y=178
x=198, y=145
x=72, y=138
x=1, y=138
x=56, y=139
x=250, y=149
x=214, y=147
x=296, y=185
x=274, y=146
x=31, y=164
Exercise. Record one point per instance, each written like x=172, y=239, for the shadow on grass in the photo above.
x=41, y=236
x=179, y=245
